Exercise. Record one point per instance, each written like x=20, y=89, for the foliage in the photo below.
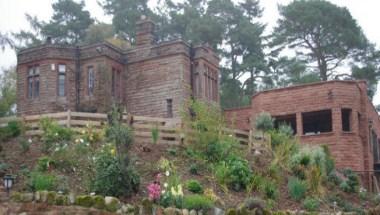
x=351, y=184
x=53, y=133
x=234, y=173
x=264, y=122
x=194, y=169
x=197, y=202
x=311, y=204
x=25, y=144
x=254, y=203
x=42, y=181
x=67, y=25
x=155, y=134
x=154, y=191
x=13, y=129
x=270, y=189
x=7, y=91
x=297, y=188
x=307, y=157
x=44, y=163
x=90, y=134
x=327, y=34
x=314, y=177
x=194, y=186
x=98, y=33
x=110, y=179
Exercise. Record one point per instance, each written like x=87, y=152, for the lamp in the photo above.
x=8, y=182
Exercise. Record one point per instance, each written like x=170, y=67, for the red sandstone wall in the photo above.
x=48, y=101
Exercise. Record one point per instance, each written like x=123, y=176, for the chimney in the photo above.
x=48, y=40
x=144, y=32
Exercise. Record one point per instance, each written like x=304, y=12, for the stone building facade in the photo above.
x=149, y=79
x=336, y=113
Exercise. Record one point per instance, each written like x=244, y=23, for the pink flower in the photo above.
x=154, y=191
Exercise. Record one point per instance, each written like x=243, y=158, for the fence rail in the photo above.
x=169, y=129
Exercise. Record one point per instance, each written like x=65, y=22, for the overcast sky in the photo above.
x=12, y=18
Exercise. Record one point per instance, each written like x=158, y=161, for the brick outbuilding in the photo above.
x=149, y=79
x=336, y=113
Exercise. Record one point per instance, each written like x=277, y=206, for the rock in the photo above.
x=147, y=207
x=119, y=211
x=185, y=212
x=178, y=211
x=61, y=200
x=71, y=198
x=112, y=203
x=159, y=211
x=16, y=196
x=128, y=208
x=37, y=196
x=170, y=211
x=99, y=202
x=27, y=197
x=217, y=211
x=193, y=212
x=23, y=213
x=231, y=211
x=85, y=201
x=200, y=212
x=50, y=198
x=43, y=195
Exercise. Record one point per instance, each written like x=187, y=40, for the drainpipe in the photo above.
x=192, y=53
x=77, y=77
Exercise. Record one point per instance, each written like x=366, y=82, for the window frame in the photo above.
x=59, y=75
x=312, y=115
x=90, y=80
x=33, y=82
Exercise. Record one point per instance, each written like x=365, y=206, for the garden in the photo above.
x=210, y=173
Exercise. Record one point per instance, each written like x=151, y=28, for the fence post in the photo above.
x=250, y=141
x=68, y=118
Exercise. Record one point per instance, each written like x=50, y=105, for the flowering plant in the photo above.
x=154, y=191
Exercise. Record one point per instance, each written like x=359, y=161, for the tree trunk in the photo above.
x=323, y=70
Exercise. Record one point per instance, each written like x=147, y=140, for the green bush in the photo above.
x=351, y=185
x=264, y=122
x=197, y=202
x=43, y=163
x=24, y=144
x=194, y=186
x=334, y=178
x=53, y=133
x=111, y=179
x=13, y=129
x=84, y=201
x=270, y=189
x=234, y=172
x=306, y=158
x=194, y=169
x=42, y=181
x=297, y=188
x=311, y=204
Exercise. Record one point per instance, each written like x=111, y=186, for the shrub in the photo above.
x=24, y=144
x=84, y=201
x=311, y=204
x=315, y=179
x=307, y=157
x=42, y=181
x=269, y=188
x=43, y=163
x=110, y=177
x=53, y=133
x=334, y=178
x=194, y=169
x=351, y=185
x=264, y=122
x=286, y=130
x=254, y=204
x=197, y=202
x=297, y=188
x=13, y=129
x=194, y=186
x=235, y=173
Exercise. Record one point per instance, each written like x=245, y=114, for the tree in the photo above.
x=7, y=91
x=69, y=22
x=321, y=32
x=98, y=33
x=125, y=15
x=5, y=41
x=67, y=26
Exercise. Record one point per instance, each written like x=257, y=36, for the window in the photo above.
x=33, y=82
x=91, y=81
x=317, y=122
x=287, y=120
x=375, y=148
x=169, y=108
x=61, y=79
x=346, y=119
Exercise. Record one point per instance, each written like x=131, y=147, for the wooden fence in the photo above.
x=169, y=129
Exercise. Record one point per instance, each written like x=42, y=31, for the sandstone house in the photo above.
x=149, y=79
x=336, y=113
